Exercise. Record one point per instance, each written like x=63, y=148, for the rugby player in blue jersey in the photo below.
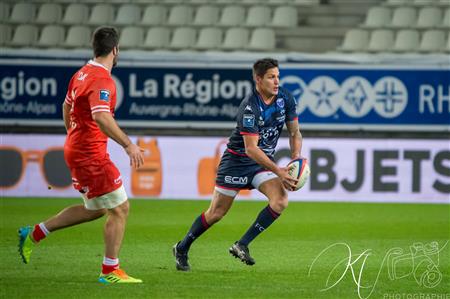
x=248, y=161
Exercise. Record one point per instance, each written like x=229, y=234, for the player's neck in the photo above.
x=267, y=99
x=107, y=63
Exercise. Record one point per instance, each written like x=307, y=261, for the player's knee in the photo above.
x=125, y=208
x=90, y=215
x=121, y=210
x=280, y=204
x=284, y=203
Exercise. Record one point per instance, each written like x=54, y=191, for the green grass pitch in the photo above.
x=67, y=263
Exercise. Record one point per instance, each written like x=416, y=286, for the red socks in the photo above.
x=109, y=265
x=39, y=232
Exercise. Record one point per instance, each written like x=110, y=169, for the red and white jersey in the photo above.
x=91, y=90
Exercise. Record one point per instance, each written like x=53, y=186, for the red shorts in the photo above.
x=96, y=179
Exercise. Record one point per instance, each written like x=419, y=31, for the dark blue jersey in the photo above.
x=266, y=121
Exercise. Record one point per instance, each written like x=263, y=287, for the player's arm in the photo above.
x=66, y=115
x=67, y=105
x=254, y=152
x=295, y=139
x=110, y=128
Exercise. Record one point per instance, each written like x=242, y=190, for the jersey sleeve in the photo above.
x=247, y=119
x=101, y=95
x=69, y=95
x=291, y=108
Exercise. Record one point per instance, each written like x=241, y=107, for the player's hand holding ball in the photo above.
x=287, y=180
x=299, y=169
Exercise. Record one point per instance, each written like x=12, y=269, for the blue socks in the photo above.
x=197, y=229
x=265, y=218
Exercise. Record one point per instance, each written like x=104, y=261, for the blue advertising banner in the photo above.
x=207, y=95
x=371, y=97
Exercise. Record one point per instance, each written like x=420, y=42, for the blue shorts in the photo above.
x=238, y=172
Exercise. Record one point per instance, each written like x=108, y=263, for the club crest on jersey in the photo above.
x=280, y=102
x=104, y=95
x=249, y=120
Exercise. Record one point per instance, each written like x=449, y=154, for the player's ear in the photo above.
x=115, y=50
x=257, y=79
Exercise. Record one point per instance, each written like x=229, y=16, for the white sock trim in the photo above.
x=44, y=229
x=109, y=261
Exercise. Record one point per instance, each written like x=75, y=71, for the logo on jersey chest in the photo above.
x=281, y=115
x=260, y=121
x=280, y=102
x=269, y=133
x=281, y=118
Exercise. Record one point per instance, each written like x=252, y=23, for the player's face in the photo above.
x=270, y=82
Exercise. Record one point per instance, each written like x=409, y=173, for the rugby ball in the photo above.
x=299, y=169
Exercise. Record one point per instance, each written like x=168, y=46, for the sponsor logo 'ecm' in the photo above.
x=236, y=180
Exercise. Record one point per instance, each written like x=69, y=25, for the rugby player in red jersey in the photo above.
x=88, y=112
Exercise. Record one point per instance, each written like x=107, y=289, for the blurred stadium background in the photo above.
x=372, y=82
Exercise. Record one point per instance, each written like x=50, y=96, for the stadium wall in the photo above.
x=182, y=95
x=405, y=102
x=363, y=170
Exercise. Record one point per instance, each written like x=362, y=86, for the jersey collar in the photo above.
x=260, y=99
x=94, y=63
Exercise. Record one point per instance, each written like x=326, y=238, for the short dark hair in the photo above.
x=104, y=40
x=262, y=65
